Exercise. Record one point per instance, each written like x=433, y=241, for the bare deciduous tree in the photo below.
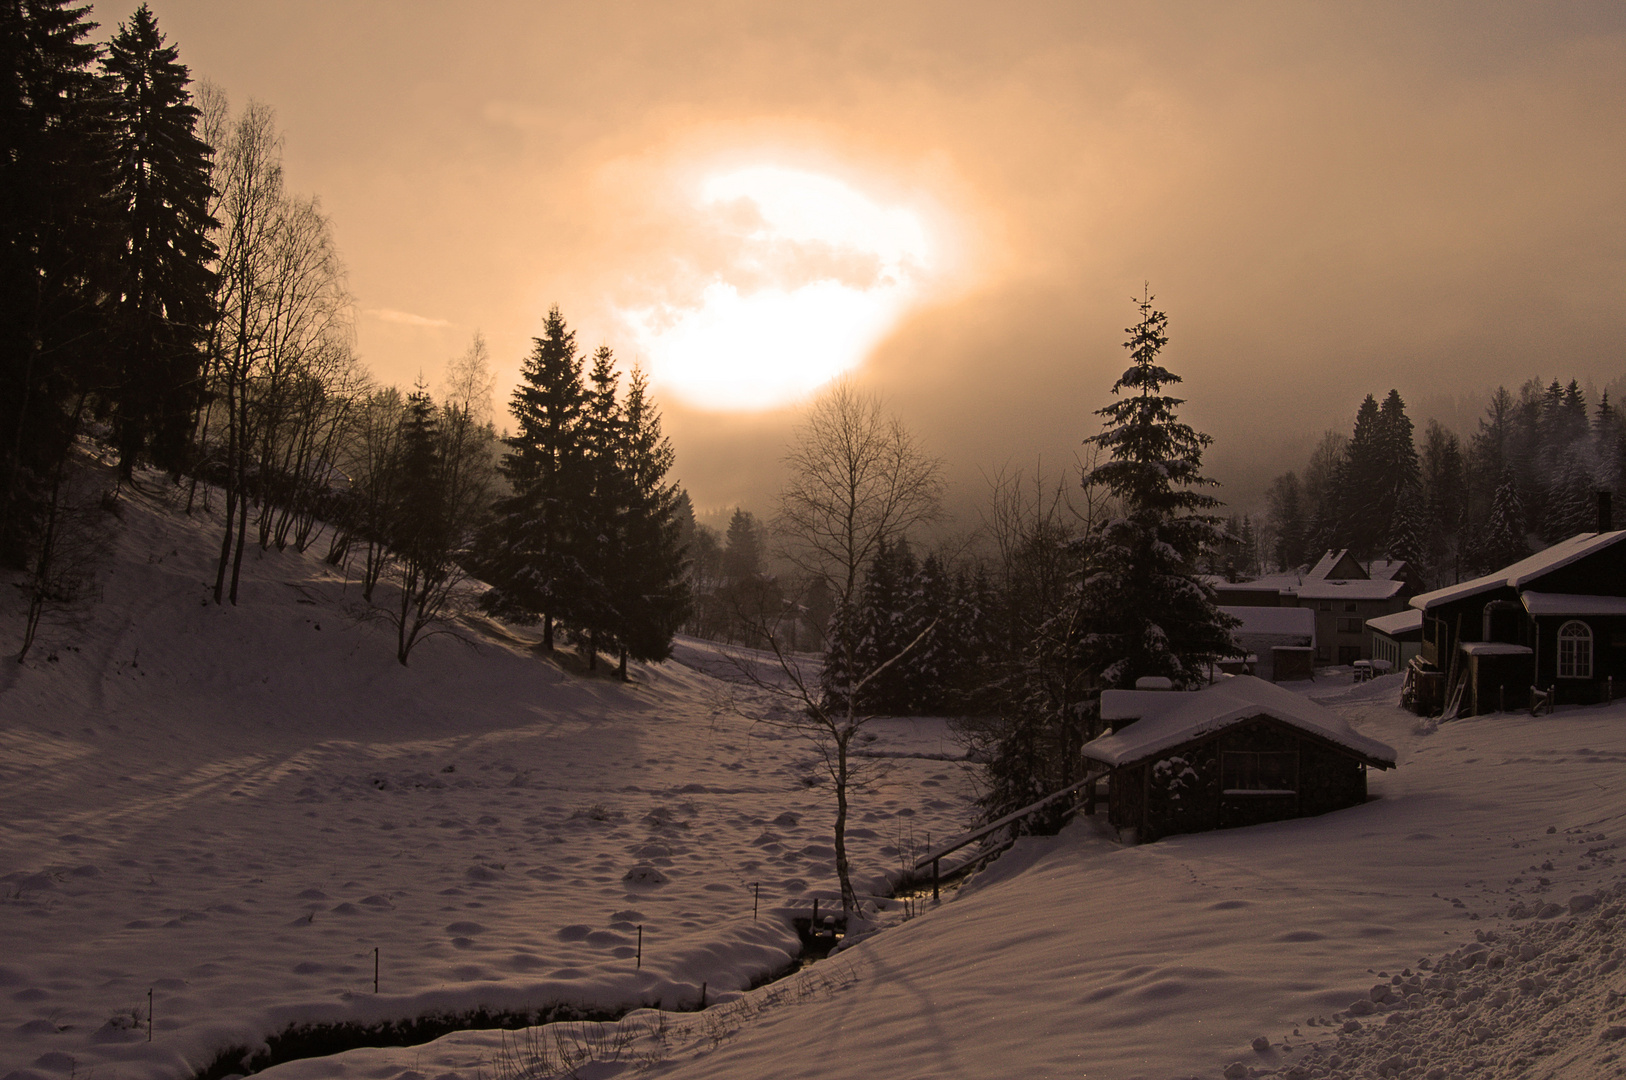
x=468, y=383
x=858, y=480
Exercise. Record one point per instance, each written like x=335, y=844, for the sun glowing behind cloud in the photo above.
x=807, y=275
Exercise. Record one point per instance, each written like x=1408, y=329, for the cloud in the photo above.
x=406, y=318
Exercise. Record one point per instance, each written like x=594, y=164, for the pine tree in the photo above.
x=1570, y=503
x=1408, y=530
x=1399, y=472
x=165, y=287
x=1287, y=512
x=1247, y=542
x=652, y=592
x=1444, y=499
x=1361, y=482
x=55, y=246
x=1606, y=438
x=601, y=511
x=529, y=555
x=1142, y=609
x=742, y=550
x=1504, y=537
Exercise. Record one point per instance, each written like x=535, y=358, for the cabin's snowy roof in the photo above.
x=1522, y=572
x=1270, y=583
x=1385, y=569
x=1349, y=589
x=1494, y=648
x=1401, y=622
x=1320, y=570
x=1273, y=620
x=1546, y=603
x=1167, y=718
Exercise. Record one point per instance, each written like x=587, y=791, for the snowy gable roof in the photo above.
x=1385, y=569
x=1540, y=603
x=1349, y=589
x=1401, y=622
x=1168, y=718
x=1320, y=570
x=1522, y=572
x=1280, y=583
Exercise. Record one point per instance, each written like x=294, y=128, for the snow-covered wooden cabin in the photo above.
x=1238, y=752
x=1555, y=620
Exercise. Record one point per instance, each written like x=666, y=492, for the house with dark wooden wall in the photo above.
x=1240, y=751
x=1554, y=622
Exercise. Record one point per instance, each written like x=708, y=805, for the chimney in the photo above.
x=1606, y=517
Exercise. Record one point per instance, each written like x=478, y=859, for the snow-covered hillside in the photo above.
x=233, y=808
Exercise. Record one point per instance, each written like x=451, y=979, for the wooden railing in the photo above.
x=935, y=856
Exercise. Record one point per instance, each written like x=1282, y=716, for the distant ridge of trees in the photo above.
x=1451, y=507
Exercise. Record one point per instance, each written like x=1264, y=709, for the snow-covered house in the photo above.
x=1341, y=592
x=1237, y=752
x=1269, y=634
x=1397, y=638
x=1555, y=620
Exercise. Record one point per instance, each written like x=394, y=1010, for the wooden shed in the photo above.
x=1238, y=752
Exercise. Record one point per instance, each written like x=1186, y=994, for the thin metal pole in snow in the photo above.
x=640, y=945
x=756, y=895
x=149, y=1014
x=375, y=969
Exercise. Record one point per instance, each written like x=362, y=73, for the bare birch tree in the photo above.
x=858, y=480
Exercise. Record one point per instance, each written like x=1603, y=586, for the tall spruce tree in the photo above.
x=529, y=555
x=1401, y=472
x=1287, y=513
x=1503, y=541
x=1361, y=481
x=55, y=242
x=1444, y=498
x=742, y=550
x=601, y=511
x=652, y=592
x=164, y=288
x=1142, y=609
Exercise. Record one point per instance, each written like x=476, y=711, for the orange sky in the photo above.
x=1328, y=200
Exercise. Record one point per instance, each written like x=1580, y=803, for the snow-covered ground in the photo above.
x=233, y=809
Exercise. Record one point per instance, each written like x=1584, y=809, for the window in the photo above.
x=1248, y=772
x=1349, y=626
x=1349, y=606
x=1325, y=605
x=1575, y=651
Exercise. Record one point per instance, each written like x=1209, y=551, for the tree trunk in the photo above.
x=232, y=493
x=849, y=898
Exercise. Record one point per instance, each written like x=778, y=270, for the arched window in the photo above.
x=1575, y=651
